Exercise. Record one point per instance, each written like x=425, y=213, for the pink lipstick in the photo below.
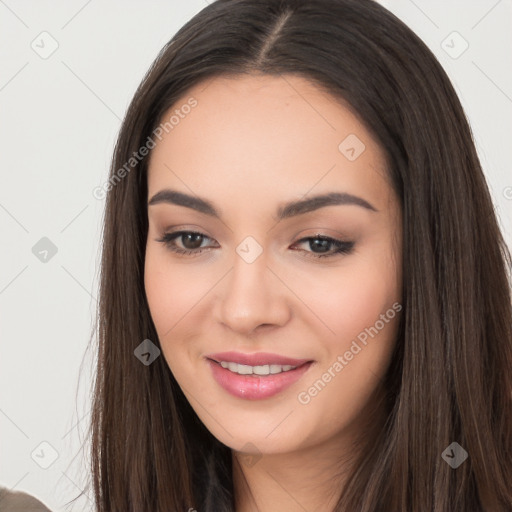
x=256, y=376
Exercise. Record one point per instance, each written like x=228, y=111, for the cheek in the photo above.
x=171, y=295
x=173, y=291
x=360, y=304
x=356, y=357
x=178, y=298
x=357, y=303
x=352, y=298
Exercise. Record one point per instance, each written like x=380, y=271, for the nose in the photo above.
x=252, y=298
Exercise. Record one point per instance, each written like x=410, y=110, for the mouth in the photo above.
x=257, y=359
x=256, y=382
x=258, y=370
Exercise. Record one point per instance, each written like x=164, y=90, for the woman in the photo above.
x=304, y=301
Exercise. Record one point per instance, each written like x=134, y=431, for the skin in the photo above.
x=251, y=144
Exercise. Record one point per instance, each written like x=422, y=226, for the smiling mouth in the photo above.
x=256, y=371
x=256, y=382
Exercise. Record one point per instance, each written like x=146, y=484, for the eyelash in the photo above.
x=342, y=247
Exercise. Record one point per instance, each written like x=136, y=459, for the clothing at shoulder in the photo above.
x=18, y=501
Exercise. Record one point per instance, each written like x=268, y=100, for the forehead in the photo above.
x=270, y=135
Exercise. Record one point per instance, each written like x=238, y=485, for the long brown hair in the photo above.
x=450, y=379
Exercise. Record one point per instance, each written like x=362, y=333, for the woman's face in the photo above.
x=292, y=233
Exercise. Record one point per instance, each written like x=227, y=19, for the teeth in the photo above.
x=244, y=369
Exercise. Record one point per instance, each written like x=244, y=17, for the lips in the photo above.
x=257, y=387
x=257, y=359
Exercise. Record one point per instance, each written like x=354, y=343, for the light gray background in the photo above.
x=59, y=119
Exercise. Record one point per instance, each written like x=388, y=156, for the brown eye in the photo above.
x=191, y=240
x=187, y=242
x=323, y=246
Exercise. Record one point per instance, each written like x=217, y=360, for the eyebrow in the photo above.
x=288, y=210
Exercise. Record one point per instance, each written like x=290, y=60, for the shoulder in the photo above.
x=18, y=501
